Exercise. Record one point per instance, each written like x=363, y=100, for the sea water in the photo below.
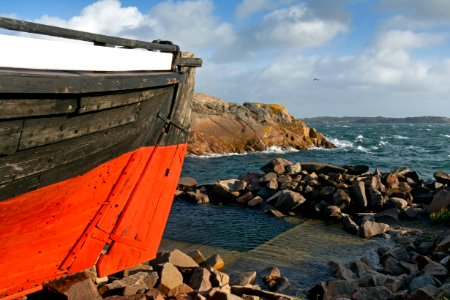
x=251, y=240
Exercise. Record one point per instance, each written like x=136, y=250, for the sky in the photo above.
x=372, y=57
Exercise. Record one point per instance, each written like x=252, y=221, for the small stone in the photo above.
x=187, y=183
x=76, y=286
x=200, y=280
x=370, y=228
x=271, y=273
x=350, y=225
x=388, y=216
x=216, y=262
x=177, y=258
x=359, y=192
x=170, y=278
x=341, y=271
x=398, y=202
x=179, y=290
x=243, y=278
x=197, y=256
x=422, y=281
x=256, y=201
x=435, y=269
x=243, y=199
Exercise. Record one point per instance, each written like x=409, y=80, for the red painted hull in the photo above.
x=112, y=217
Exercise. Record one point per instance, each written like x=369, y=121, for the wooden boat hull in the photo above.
x=89, y=164
x=111, y=217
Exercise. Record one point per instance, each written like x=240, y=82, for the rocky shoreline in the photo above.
x=222, y=127
x=366, y=203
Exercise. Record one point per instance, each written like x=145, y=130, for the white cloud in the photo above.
x=104, y=16
x=296, y=26
x=417, y=13
x=248, y=7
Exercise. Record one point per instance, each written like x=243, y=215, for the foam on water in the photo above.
x=401, y=137
x=341, y=143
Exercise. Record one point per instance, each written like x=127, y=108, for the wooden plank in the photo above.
x=9, y=136
x=98, y=39
x=32, y=82
x=34, y=161
x=93, y=103
x=16, y=108
x=37, y=132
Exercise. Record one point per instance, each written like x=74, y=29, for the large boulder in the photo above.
x=289, y=200
x=222, y=127
x=370, y=228
x=321, y=168
x=441, y=200
x=178, y=259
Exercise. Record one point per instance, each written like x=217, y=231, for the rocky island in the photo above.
x=222, y=127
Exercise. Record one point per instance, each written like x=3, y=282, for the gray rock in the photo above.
x=294, y=169
x=177, y=258
x=289, y=200
x=422, y=281
x=441, y=200
x=216, y=262
x=265, y=193
x=341, y=288
x=398, y=202
x=333, y=212
x=359, y=192
x=283, y=285
x=321, y=168
x=200, y=280
x=442, y=177
x=376, y=198
x=388, y=216
x=219, y=279
x=362, y=269
x=341, y=198
x=269, y=176
x=369, y=229
x=341, y=272
x=425, y=247
x=275, y=213
x=357, y=169
x=187, y=183
x=435, y=269
x=412, y=212
x=76, y=286
x=425, y=293
x=276, y=165
x=349, y=225
x=256, y=201
x=443, y=244
x=170, y=278
x=243, y=199
x=271, y=273
x=272, y=184
x=243, y=278
x=393, y=267
x=372, y=293
x=182, y=289
x=284, y=179
x=197, y=256
x=199, y=196
x=412, y=269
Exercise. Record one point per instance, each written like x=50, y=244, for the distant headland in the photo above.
x=370, y=120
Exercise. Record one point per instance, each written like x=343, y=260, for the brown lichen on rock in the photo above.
x=222, y=127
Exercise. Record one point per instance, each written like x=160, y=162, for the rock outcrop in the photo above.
x=222, y=127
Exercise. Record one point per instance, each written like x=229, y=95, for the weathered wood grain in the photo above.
x=37, y=132
x=52, y=82
x=99, y=39
x=92, y=103
x=16, y=108
x=10, y=136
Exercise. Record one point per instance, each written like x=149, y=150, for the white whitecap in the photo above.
x=277, y=149
x=342, y=143
x=362, y=149
x=401, y=137
x=446, y=135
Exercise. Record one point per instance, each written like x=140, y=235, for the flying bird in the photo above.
x=316, y=78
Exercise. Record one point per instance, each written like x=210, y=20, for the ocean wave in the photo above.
x=362, y=149
x=342, y=143
x=277, y=149
x=271, y=149
x=401, y=137
x=446, y=135
x=359, y=138
x=214, y=155
x=383, y=143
